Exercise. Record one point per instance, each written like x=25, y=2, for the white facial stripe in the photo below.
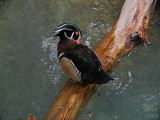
x=66, y=35
x=57, y=31
x=61, y=26
x=69, y=37
x=72, y=35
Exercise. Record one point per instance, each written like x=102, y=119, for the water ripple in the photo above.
x=49, y=60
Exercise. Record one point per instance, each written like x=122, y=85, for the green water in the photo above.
x=30, y=76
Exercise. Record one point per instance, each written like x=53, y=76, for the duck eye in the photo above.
x=77, y=33
x=75, y=36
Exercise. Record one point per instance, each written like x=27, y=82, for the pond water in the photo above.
x=30, y=75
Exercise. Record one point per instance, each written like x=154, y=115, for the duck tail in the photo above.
x=103, y=77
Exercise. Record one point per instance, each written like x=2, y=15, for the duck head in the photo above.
x=68, y=31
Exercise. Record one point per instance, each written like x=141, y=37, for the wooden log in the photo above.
x=134, y=17
x=31, y=117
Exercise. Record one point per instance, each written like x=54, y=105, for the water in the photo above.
x=30, y=76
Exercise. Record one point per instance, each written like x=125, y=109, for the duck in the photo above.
x=78, y=61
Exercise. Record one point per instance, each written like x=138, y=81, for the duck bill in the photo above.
x=78, y=40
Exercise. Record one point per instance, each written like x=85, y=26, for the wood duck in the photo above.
x=78, y=61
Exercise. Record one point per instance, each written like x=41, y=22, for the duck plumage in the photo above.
x=78, y=60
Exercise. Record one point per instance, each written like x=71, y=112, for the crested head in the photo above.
x=68, y=31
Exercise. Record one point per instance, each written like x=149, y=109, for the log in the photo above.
x=31, y=117
x=134, y=18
